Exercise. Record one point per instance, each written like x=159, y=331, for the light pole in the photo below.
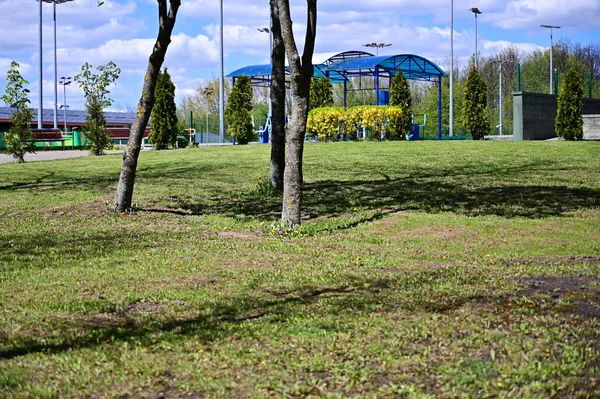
x=40, y=109
x=377, y=45
x=476, y=11
x=207, y=92
x=451, y=113
x=267, y=30
x=222, y=86
x=64, y=82
x=54, y=3
x=551, y=27
x=500, y=62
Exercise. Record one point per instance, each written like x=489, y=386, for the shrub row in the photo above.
x=334, y=123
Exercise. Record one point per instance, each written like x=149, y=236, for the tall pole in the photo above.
x=40, y=109
x=65, y=81
x=551, y=27
x=476, y=11
x=222, y=87
x=270, y=62
x=500, y=62
x=55, y=71
x=500, y=95
x=451, y=130
x=551, y=69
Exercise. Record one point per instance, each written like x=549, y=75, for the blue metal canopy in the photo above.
x=348, y=64
x=343, y=66
x=412, y=66
x=260, y=75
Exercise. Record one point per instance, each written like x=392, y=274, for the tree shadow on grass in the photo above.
x=358, y=296
x=331, y=198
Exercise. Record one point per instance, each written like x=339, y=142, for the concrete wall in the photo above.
x=535, y=114
x=591, y=127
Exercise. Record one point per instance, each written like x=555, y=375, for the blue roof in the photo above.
x=260, y=75
x=412, y=66
x=355, y=63
x=73, y=116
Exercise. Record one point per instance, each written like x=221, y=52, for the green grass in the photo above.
x=425, y=270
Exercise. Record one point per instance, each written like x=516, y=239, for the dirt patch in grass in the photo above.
x=573, y=295
x=555, y=260
x=149, y=307
x=248, y=235
x=395, y=222
x=168, y=393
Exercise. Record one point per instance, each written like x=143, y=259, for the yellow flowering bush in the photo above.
x=380, y=122
x=324, y=123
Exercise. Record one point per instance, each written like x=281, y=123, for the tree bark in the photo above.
x=301, y=71
x=277, y=101
x=124, y=194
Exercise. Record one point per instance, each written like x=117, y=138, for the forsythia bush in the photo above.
x=380, y=122
x=324, y=123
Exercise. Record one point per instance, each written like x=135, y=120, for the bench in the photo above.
x=48, y=136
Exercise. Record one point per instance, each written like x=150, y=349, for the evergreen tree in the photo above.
x=569, y=120
x=475, y=106
x=400, y=97
x=238, y=112
x=19, y=138
x=164, y=113
x=321, y=93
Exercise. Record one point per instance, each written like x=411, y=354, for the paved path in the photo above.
x=51, y=155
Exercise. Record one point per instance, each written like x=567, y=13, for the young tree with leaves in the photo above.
x=301, y=71
x=164, y=113
x=95, y=87
x=321, y=93
x=19, y=138
x=400, y=96
x=238, y=112
x=475, y=106
x=166, y=22
x=569, y=119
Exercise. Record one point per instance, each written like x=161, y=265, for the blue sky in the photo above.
x=124, y=31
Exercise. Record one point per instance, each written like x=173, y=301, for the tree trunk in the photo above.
x=277, y=101
x=301, y=71
x=124, y=194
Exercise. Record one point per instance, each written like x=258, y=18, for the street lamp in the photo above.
x=500, y=62
x=207, y=92
x=222, y=86
x=551, y=27
x=451, y=113
x=64, y=82
x=377, y=45
x=267, y=30
x=54, y=3
x=475, y=11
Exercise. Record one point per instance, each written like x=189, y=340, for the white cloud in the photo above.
x=491, y=47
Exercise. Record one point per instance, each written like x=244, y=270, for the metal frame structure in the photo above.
x=343, y=66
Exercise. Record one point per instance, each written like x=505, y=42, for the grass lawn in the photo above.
x=422, y=270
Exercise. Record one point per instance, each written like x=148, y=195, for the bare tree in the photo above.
x=301, y=71
x=166, y=21
x=277, y=101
